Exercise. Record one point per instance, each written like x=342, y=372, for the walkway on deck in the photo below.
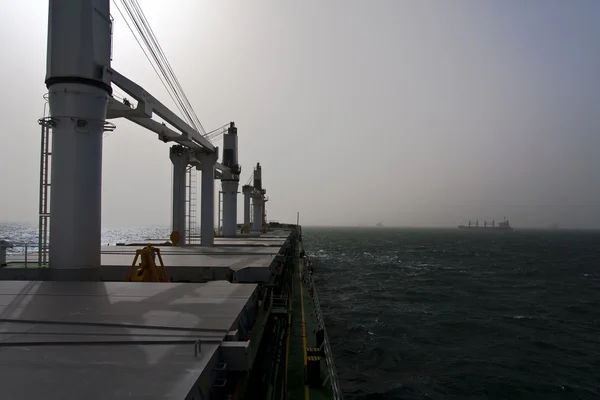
x=303, y=330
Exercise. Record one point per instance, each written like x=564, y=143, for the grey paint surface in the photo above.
x=140, y=337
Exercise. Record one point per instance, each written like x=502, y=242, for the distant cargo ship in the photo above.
x=501, y=226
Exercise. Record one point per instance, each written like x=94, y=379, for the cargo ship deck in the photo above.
x=214, y=321
x=239, y=259
x=239, y=319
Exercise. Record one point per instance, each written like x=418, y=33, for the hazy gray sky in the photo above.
x=406, y=112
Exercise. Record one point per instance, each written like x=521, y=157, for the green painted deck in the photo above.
x=302, y=336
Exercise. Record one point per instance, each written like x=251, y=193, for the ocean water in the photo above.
x=448, y=314
x=21, y=234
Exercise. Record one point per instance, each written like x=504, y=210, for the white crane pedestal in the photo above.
x=207, y=206
x=230, y=190
x=257, y=202
x=180, y=159
x=247, y=191
x=78, y=112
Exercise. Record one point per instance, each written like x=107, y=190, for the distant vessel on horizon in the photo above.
x=502, y=226
x=379, y=225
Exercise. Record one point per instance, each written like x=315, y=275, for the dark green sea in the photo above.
x=449, y=314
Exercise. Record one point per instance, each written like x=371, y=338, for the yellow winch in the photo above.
x=147, y=271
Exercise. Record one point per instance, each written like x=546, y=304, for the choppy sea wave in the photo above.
x=416, y=314
x=22, y=234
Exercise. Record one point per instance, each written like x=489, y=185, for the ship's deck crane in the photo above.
x=147, y=105
x=79, y=76
x=257, y=193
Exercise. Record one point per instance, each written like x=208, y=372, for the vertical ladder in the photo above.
x=251, y=221
x=46, y=124
x=220, y=214
x=44, y=203
x=264, y=216
x=192, y=201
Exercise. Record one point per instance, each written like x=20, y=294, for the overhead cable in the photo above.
x=166, y=74
x=147, y=56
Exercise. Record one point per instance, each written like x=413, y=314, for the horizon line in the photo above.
x=395, y=226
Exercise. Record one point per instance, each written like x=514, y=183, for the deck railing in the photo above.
x=279, y=302
x=27, y=253
x=332, y=377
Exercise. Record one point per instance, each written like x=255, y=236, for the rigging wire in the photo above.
x=147, y=56
x=147, y=35
x=250, y=180
x=144, y=37
x=213, y=138
x=214, y=130
x=214, y=135
x=161, y=52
